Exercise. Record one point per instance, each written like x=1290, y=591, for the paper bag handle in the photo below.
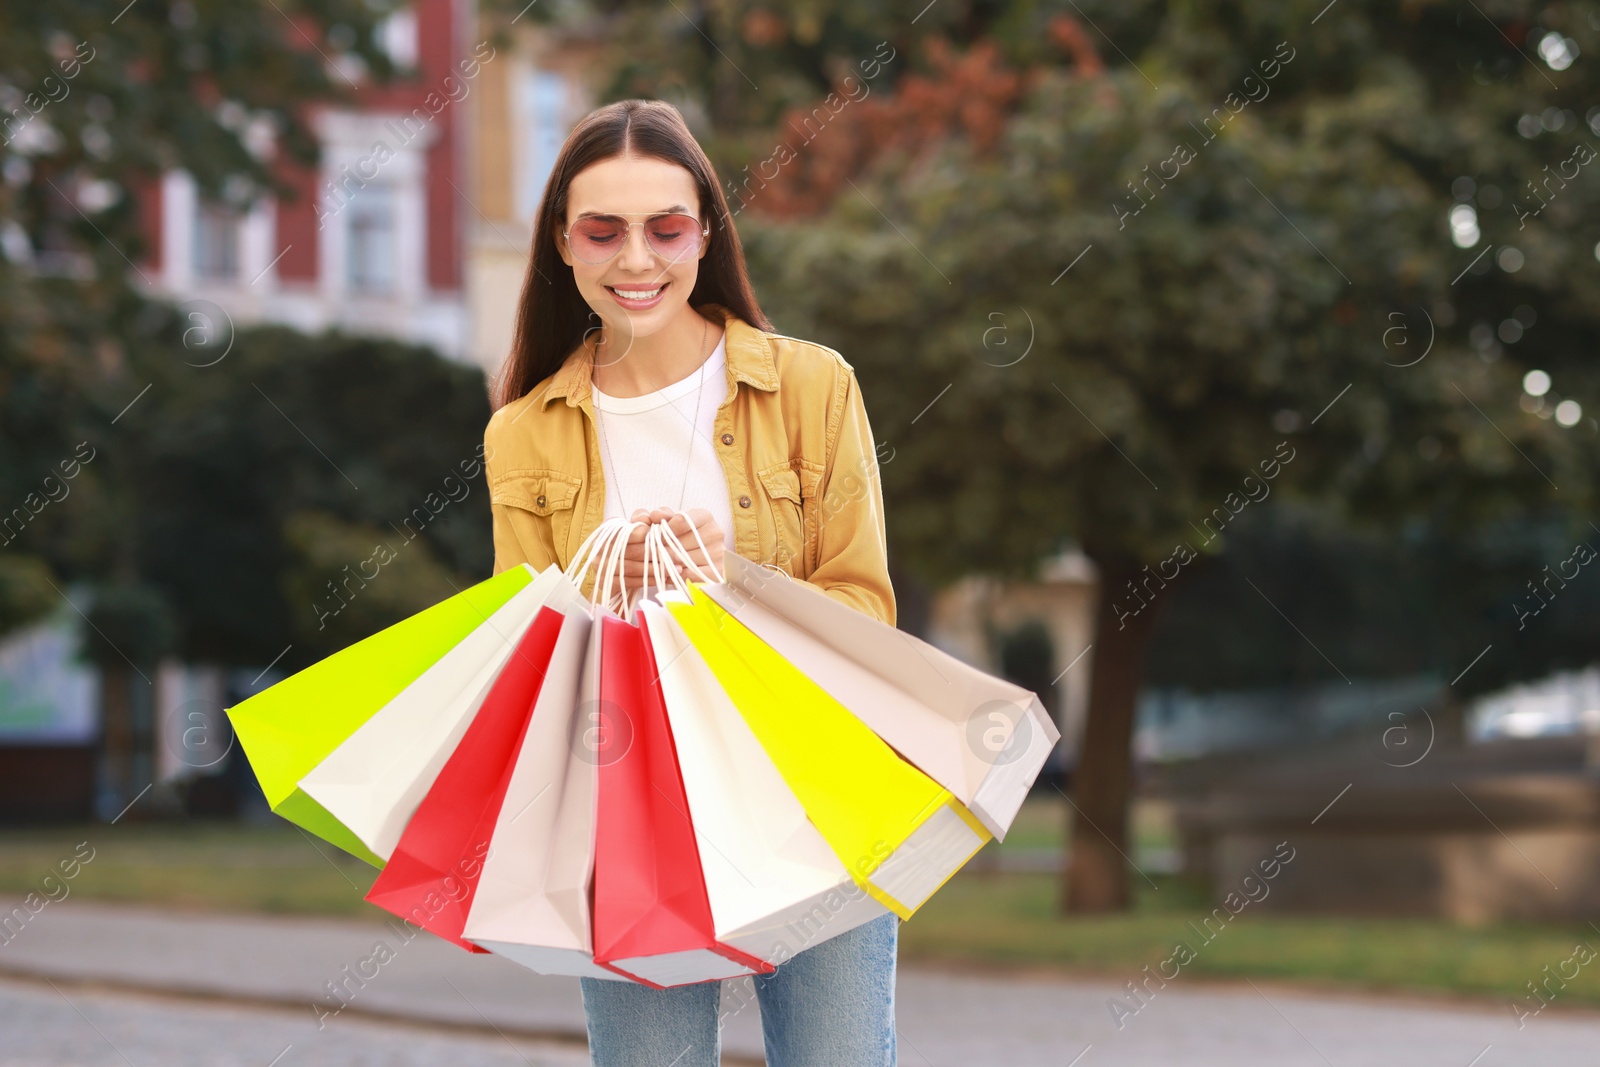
x=667, y=562
x=603, y=549
x=670, y=543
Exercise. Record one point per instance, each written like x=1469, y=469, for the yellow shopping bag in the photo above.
x=290, y=727
x=899, y=833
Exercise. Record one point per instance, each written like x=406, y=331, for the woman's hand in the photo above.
x=680, y=523
x=708, y=559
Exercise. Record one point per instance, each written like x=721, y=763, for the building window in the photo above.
x=371, y=235
x=397, y=35
x=544, y=110
x=216, y=242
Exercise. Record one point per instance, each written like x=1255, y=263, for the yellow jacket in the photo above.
x=795, y=445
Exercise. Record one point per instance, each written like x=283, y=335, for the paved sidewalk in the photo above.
x=71, y=1027
x=946, y=1019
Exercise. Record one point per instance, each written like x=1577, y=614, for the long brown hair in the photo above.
x=551, y=314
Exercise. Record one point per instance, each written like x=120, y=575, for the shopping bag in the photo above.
x=433, y=871
x=532, y=903
x=290, y=727
x=374, y=780
x=983, y=738
x=774, y=885
x=652, y=917
x=899, y=833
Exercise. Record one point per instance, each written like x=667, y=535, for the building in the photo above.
x=418, y=221
x=526, y=102
x=970, y=617
x=373, y=242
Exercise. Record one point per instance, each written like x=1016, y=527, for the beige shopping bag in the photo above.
x=981, y=737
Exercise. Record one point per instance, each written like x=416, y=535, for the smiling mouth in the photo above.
x=638, y=294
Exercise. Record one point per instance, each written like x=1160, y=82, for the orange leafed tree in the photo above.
x=970, y=94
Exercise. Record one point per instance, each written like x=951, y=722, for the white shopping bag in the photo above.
x=374, y=780
x=532, y=903
x=775, y=887
x=532, y=899
x=981, y=737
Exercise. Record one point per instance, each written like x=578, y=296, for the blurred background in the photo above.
x=1232, y=367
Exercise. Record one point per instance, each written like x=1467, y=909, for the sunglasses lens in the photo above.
x=673, y=237
x=596, y=238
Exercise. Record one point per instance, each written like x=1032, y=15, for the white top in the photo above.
x=646, y=441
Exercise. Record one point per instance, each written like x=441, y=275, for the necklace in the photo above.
x=693, y=426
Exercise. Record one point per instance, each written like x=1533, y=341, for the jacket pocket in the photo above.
x=546, y=495
x=785, y=506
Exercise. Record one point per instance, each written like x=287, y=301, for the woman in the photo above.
x=645, y=381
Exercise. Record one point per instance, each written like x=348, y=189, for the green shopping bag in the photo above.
x=290, y=727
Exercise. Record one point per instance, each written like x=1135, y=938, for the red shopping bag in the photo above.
x=431, y=877
x=652, y=916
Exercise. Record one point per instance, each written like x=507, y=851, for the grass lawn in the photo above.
x=991, y=919
x=1043, y=823
x=1010, y=920
x=218, y=866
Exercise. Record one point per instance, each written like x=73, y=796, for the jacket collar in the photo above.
x=749, y=352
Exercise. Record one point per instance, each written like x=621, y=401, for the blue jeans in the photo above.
x=830, y=1005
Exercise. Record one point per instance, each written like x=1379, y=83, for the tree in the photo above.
x=284, y=499
x=96, y=101
x=1380, y=604
x=1225, y=324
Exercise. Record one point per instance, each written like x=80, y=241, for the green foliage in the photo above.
x=1027, y=656
x=1255, y=300
x=1157, y=366
x=129, y=624
x=735, y=66
x=355, y=579
x=25, y=593
x=254, y=479
x=244, y=472
x=96, y=101
x=1377, y=606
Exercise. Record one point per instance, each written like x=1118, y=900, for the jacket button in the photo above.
x=727, y=438
x=540, y=501
x=744, y=502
